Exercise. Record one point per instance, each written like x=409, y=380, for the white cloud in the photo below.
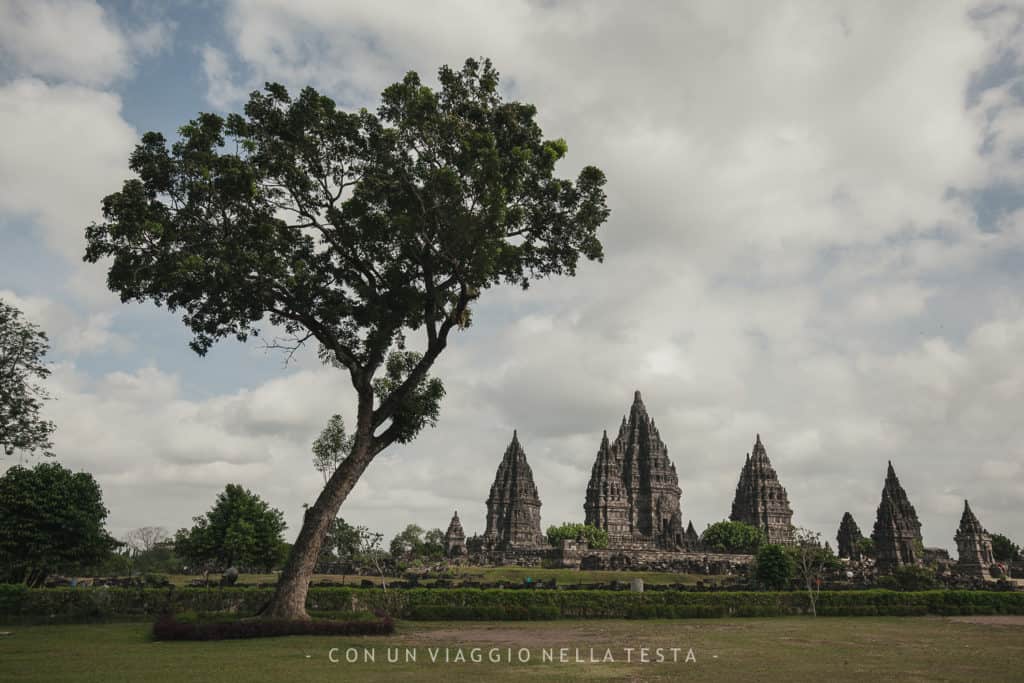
x=74, y=40
x=792, y=251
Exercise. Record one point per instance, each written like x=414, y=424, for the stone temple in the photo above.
x=761, y=500
x=513, y=507
x=974, y=546
x=634, y=491
x=847, y=538
x=897, y=532
x=455, y=538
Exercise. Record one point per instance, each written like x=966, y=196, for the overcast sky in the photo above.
x=817, y=233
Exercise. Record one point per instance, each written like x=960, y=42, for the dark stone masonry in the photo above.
x=897, y=533
x=761, y=500
x=634, y=491
x=455, y=538
x=634, y=495
x=974, y=546
x=847, y=538
x=513, y=508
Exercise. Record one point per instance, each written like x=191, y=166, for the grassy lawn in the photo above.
x=565, y=577
x=834, y=649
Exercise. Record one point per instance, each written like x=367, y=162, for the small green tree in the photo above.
x=22, y=348
x=733, y=537
x=407, y=544
x=433, y=544
x=240, y=530
x=775, y=567
x=811, y=559
x=51, y=520
x=595, y=538
x=331, y=447
x=1004, y=550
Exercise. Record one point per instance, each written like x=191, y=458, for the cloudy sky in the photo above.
x=817, y=234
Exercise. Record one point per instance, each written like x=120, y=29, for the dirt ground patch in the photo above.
x=992, y=619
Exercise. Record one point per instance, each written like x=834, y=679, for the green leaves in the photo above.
x=22, y=348
x=240, y=530
x=732, y=537
x=51, y=520
x=595, y=538
x=351, y=228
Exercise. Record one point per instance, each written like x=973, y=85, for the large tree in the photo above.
x=22, y=369
x=354, y=230
x=240, y=530
x=51, y=520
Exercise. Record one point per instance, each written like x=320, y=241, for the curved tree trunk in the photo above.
x=289, y=599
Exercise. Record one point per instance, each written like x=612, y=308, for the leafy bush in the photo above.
x=20, y=604
x=732, y=537
x=775, y=567
x=596, y=538
x=169, y=628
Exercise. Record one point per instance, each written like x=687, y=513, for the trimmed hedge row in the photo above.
x=169, y=628
x=18, y=603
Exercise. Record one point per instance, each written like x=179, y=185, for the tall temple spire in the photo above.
x=897, y=531
x=847, y=538
x=513, y=506
x=760, y=499
x=633, y=492
x=974, y=546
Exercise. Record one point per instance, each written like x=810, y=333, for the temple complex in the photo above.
x=974, y=546
x=513, y=507
x=897, y=532
x=455, y=538
x=634, y=491
x=847, y=538
x=761, y=500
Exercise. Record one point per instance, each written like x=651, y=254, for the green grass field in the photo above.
x=799, y=648
x=490, y=575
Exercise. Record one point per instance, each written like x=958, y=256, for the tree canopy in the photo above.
x=732, y=537
x=596, y=538
x=241, y=530
x=1004, y=550
x=51, y=520
x=355, y=230
x=775, y=567
x=22, y=369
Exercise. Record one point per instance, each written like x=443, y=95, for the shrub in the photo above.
x=169, y=628
x=775, y=567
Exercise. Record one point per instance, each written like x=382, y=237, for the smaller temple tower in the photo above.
x=513, y=506
x=847, y=538
x=691, y=539
x=974, y=546
x=761, y=500
x=897, y=532
x=455, y=538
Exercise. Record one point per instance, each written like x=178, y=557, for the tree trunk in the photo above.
x=289, y=599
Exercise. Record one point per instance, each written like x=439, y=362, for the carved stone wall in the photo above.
x=634, y=493
x=761, y=500
x=897, y=532
x=513, y=506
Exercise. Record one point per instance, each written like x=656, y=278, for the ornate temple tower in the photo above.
x=634, y=492
x=897, y=532
x=761, y=500
x=455, y=538
x=974, y=547
x=849, y=534
x=513, y=507
x=691, y=539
